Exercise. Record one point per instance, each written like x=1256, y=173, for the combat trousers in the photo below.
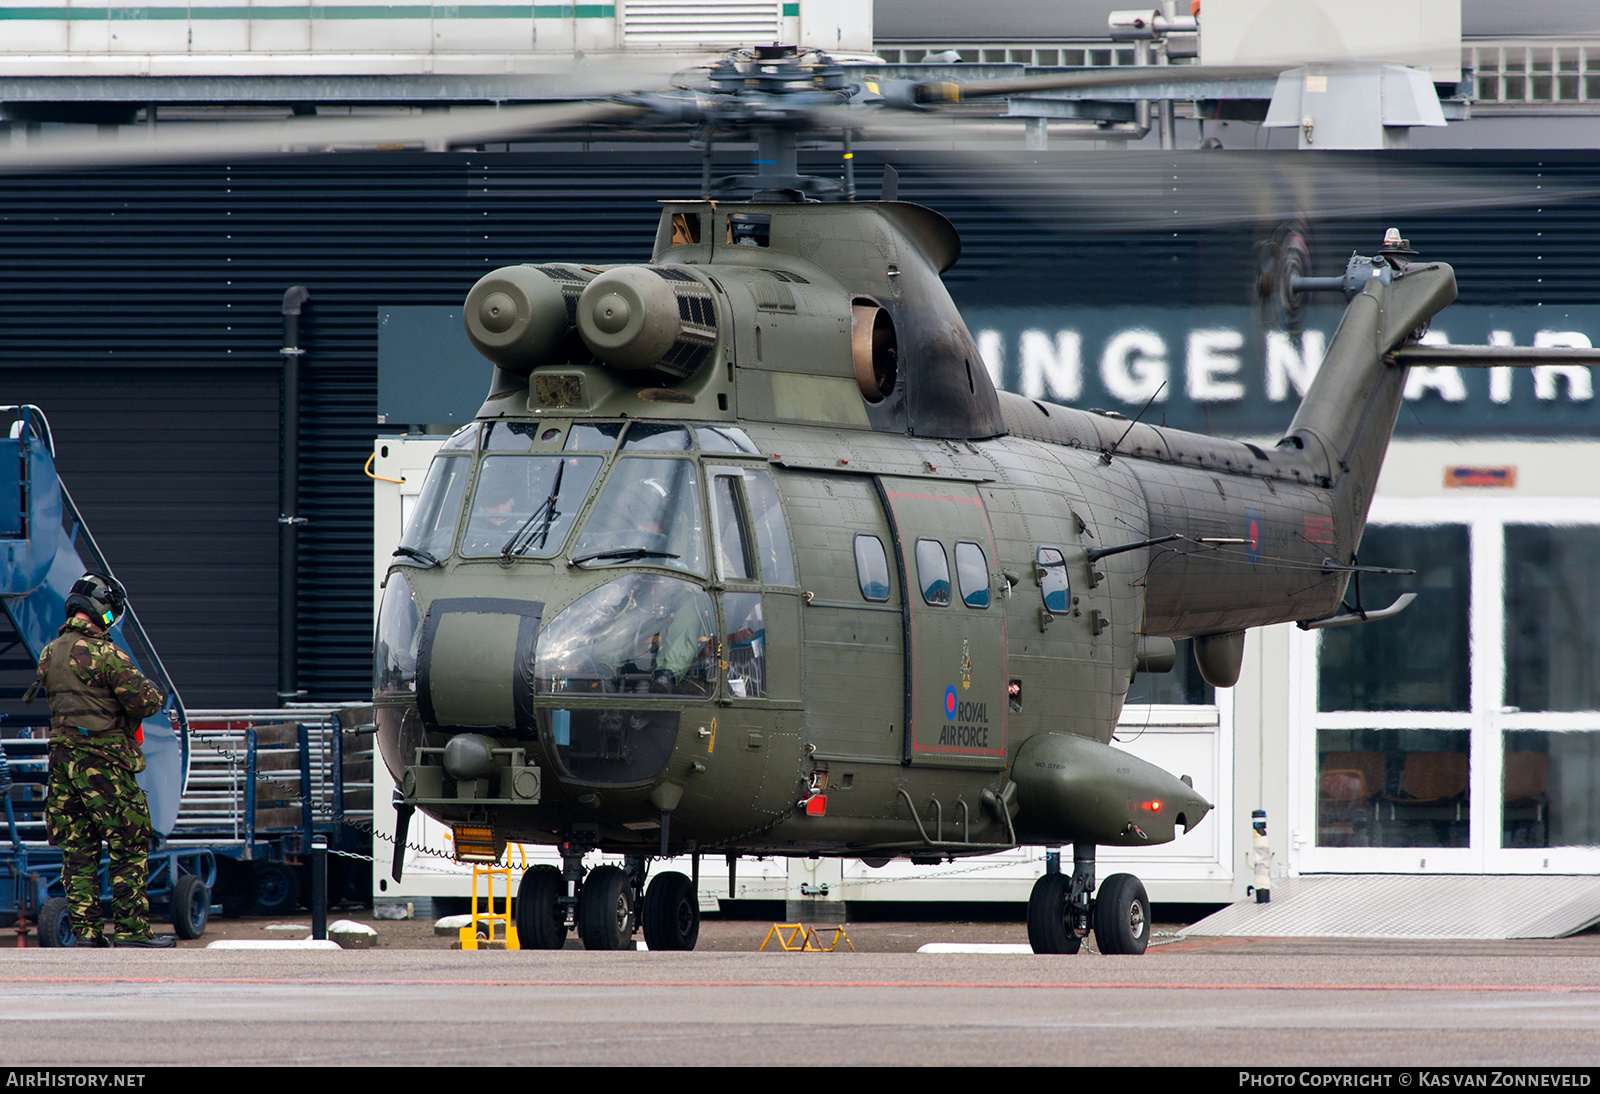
x=91, y=800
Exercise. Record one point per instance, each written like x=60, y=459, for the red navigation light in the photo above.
x=1152, y=807
x=817, y=805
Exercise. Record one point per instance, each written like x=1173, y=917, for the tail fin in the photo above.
x=1345, y=421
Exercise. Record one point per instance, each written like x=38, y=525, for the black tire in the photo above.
x=605, y=910
x=277, y=889
x=671, y=913
x=540, y=922
x=55, y=923
x=1122, y=916
x=1049, y=926
x=235, y=889
x=191, y=907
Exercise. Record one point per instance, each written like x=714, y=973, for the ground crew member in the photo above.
x=97, y=699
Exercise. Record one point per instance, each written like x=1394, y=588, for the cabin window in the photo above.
x=433, y=523
x=744, y=645
x=872, y=567
x=734, y=561
x=750, y=229
x=649, y=512
x=685, y=229
x=526, y=504
x=972, y=571
x=933, y=572
x=1053, y=583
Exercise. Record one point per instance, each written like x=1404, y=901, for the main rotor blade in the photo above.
x=1135, y=189
x=1121, y=76
x=192, y=143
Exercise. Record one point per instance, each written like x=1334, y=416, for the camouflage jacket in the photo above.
x=93, y=688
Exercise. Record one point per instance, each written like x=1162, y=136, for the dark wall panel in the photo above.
x=176, y=474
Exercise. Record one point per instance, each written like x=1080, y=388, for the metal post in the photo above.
x=303, y=738
x=319, y=888
x=249, y=793
x=289, y=491
x=1169, y=129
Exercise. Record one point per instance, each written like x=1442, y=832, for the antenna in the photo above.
x=1105, y=457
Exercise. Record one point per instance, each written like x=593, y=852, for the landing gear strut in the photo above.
x=1061, y=910
x=1059, y=907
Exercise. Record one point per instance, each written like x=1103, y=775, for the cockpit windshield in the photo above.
x=649, y=512
x=525, y=505
x=432, y=526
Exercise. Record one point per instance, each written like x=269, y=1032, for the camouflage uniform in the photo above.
x=97, y=699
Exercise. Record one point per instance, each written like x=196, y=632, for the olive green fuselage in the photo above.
x=759, y=606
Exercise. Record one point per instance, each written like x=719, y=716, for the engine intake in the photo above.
x=648, y=317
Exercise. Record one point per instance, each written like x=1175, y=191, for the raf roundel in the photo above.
x=950, y=703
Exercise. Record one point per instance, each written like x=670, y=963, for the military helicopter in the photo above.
x=744, y=554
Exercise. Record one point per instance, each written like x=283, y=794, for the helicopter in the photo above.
x=745, y=554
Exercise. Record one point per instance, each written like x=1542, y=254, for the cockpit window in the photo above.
x=525, y=505
x=727, y=526
x=649, y=512
x=725, y=438
x=432, y=526
x=772, y=532
x=593, y=436
x=656, y=437
x=643, y=634
x=511, y=436
x=463, y=439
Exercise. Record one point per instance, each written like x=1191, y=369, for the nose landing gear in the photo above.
x=606, y=906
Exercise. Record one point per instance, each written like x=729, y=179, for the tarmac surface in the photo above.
x=413, y=1000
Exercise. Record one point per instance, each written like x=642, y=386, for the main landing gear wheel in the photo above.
x=55, y=923
x=671, y=913
x=191, y=906
x=605, y=910
x=1122, y=916
x=540, y=922
x=1049, y=918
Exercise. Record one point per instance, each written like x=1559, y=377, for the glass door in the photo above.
x=1463, y=735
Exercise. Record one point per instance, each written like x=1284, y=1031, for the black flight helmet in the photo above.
x=99, y=597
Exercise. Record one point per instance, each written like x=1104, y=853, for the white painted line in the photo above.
x=275, y=944
x=975, y=947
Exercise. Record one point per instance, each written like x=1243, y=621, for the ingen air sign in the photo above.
x=1217, y=370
